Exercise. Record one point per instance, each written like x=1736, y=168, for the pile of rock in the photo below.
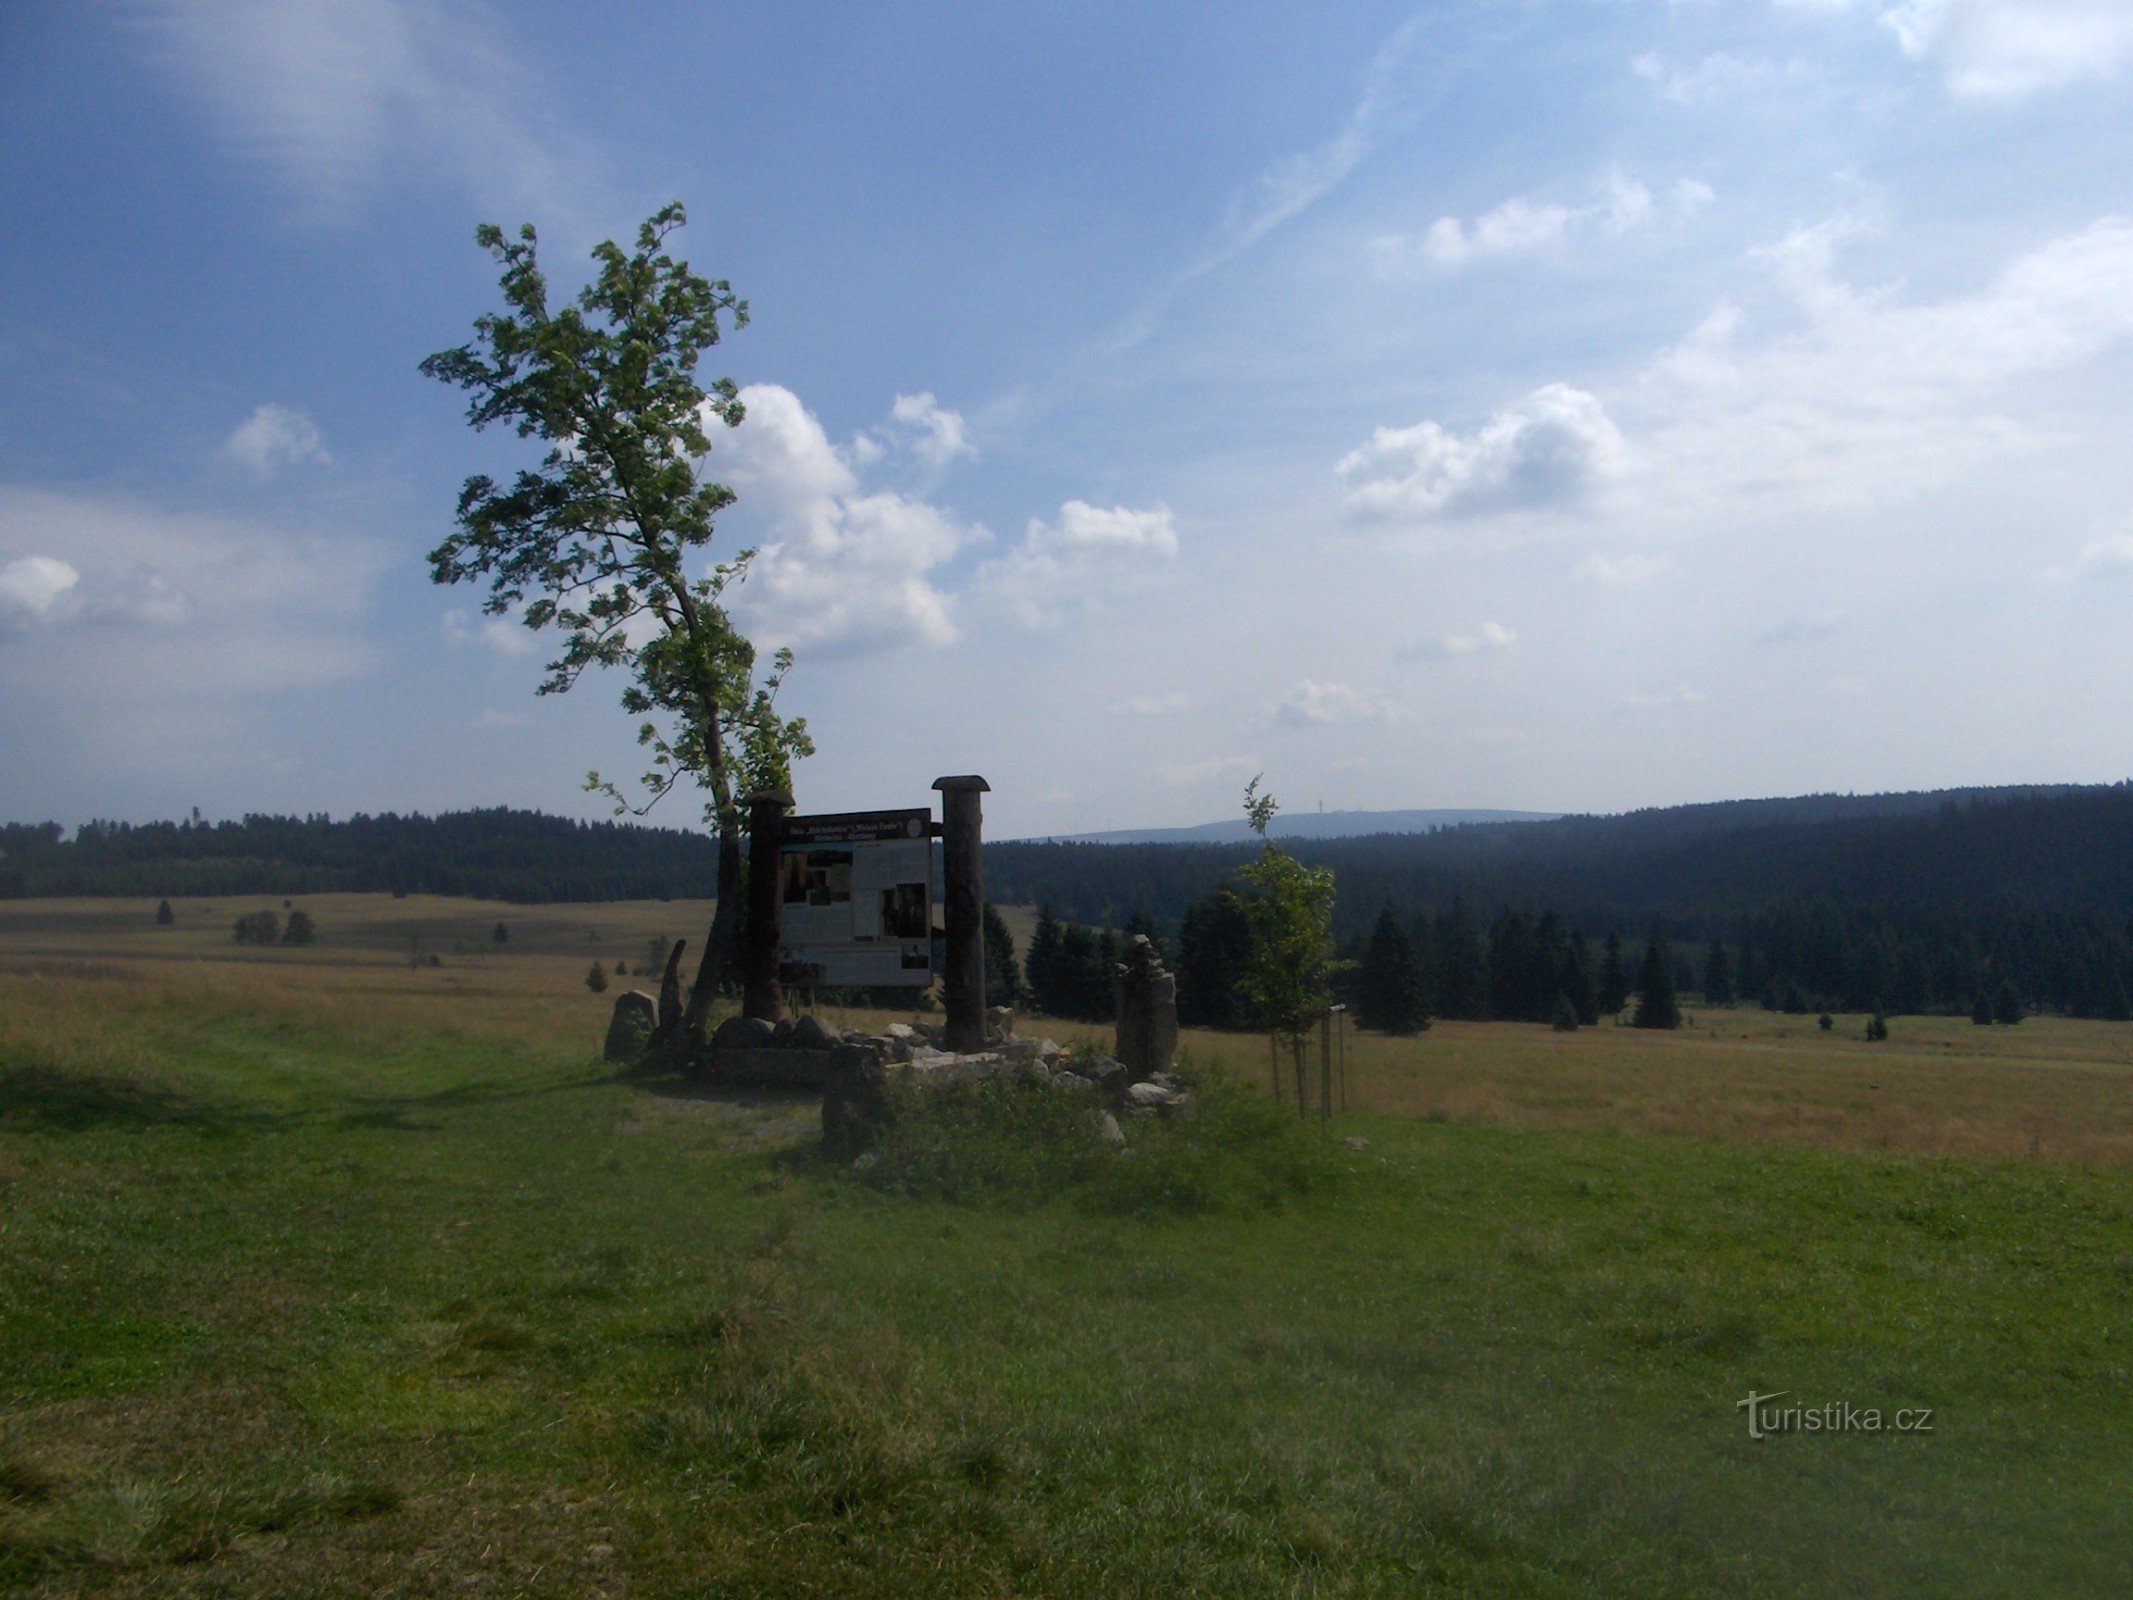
x=857, y=1104
x=770, y=1055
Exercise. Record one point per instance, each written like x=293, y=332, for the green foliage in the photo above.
x=1981, y=1009
x=595, y=541
x=1825, y=1022
x=1877, y=1027
x=2006, y=1003
x=1214, y=946
x=596, y=979
x=502, y=935
x=1717, y=975
x=164, y=915
x=1614, y=977
x=1003, y=978
x=1566, y=1016
x=257, y=927
x=1656, y=1005
x=1289, y=909
x=1389, y=990
x=301, y=930
x=1001, y=1143
x=597, y=536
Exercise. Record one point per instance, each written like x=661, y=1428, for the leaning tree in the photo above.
x=596, y=542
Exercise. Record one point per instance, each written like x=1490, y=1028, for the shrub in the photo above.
x=596, y=980
x=257, y=927
x=1015, y=1145
x=301, y=929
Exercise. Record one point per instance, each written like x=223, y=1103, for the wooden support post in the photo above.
x=761, y=995
x=963, y=908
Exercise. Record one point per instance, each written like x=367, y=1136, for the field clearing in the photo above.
x=321, y=1273
x=2051, y=1089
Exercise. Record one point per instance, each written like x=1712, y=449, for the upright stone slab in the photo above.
x=636, y=1015
x=1147, y=999
x=963, y=909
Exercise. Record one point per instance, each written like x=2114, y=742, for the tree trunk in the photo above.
x=718, y=943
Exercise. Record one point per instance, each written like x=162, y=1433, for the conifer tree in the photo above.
x=164, y=915
x=1003, y=979
x=1462, y=977
x=1614, y=977
x=1041, y=966
x=1656, y=1005
x=1388, y=988
x=1717, y=975
x=1576, y=981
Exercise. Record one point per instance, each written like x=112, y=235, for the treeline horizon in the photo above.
x=1915, y=902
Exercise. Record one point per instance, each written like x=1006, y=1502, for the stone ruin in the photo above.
x=852, y=1069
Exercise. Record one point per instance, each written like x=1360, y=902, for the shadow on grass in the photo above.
x=731, y=1094
x=44, y=1100
x=58, y=1102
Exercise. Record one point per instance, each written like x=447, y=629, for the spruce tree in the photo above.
x=1981, y=1010
x=596, y=979
x=1003, y=979
x=2007, y=1003
x=1462, y=978
x=164, y=915
x=1576, y=979
x=1388, y=986
x=1041, y=967
x=1214, y=944
x=1717, y=975
x=1656, y=1006
x=1614, y=977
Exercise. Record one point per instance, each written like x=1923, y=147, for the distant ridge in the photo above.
x=1303, y=825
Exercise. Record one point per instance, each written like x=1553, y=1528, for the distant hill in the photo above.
x=1306, y=825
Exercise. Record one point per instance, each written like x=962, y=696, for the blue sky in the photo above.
x=1565, y=404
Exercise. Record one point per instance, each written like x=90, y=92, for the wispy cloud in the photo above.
x=345, y=99
x=1316, y=704
x=1521, y=226
x=1453, y=645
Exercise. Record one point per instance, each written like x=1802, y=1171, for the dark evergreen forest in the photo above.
x=1912, y=902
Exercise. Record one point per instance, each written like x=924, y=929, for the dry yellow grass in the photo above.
x=2051, y=1089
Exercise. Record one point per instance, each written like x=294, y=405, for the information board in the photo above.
x=857, y=893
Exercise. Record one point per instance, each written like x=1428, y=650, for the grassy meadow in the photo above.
x=331, y=1271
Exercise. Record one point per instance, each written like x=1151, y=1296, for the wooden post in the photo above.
x=761, y=995
x=963, y=908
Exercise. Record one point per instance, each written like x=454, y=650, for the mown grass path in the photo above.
x=292, y=1304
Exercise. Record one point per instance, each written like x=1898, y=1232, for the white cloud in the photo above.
x=1315, y=704
x=273, y=437
x=35, y=589
x=1868, y=399
x=1520, y=226
x=938, y=435
x=152, y=606
x=506, y=635
x=348, y=99
x=842, y=569
x=1489, y=637
x=1552, y=449
x=1089, y=553
x=2005, y=50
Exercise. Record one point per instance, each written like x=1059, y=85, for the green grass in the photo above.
x=296, y=1307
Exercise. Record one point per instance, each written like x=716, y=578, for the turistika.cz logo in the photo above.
x=1766, y=1417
